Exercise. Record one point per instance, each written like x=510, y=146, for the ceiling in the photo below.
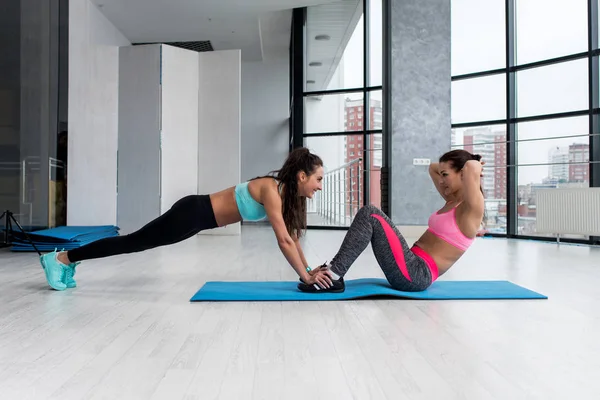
x=337, y=20
x=258, y=27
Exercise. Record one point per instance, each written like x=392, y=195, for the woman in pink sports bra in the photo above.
x=451, y=230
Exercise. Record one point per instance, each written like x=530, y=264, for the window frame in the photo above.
x=298, y=93
x=511, y=121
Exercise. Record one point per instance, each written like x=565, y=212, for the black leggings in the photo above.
x=187, y=217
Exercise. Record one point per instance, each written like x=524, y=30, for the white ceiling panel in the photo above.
x=249, y=25
x=338, y=21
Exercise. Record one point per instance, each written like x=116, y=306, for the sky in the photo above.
x=545, y=29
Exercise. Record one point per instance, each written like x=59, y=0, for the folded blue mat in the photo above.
x=86, y=239
x=63, y=234
x=62, y=237
x=362, y=288
x=24, y=247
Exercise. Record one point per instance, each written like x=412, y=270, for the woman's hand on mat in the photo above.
x=321, y=277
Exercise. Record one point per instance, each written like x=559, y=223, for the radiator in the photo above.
x=568, y=211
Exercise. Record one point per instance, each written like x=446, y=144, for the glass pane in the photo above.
x=376, y=116
x=375, y=161
x=375, y=43
x=529, y=184
x=490, y=143
x=335, y=46
x=553, y=89
x=10, y=138
x=564, y=140
x=29, y=70
x=548, y=29
x=478, y=35
x=343, y=183
x=556, y=155
x=476, y=135
x=479, y=99
x=334, y=113
x=553, y=128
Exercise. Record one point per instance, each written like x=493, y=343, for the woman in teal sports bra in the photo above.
x=280, y=198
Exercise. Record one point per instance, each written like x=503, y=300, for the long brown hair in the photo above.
x=294, y=206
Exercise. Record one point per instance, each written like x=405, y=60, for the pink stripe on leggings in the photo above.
x=419, y=252
x=395, y=245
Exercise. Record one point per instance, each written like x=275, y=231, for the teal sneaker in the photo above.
x=54, y=270
x=69, y=274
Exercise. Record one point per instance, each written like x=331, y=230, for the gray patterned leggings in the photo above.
x=403, y=269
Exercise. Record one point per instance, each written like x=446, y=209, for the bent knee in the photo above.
x=369, y=209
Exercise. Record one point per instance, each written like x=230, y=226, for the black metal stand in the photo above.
x=8, y=228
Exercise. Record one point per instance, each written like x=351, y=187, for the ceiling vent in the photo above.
x=194, y=46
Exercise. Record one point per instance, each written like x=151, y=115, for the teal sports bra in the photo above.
x=250, y=209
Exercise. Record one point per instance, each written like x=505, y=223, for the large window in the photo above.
x=33, y=113
x=336, y=109
x=525, y=83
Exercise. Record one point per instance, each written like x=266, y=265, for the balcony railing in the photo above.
x=342, y=194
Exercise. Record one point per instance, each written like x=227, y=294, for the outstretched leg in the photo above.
x=186, y=217
x=403, y=269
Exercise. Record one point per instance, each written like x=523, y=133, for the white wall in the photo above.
x=139, y=169
x=158, y=131
x=93, y=115
x=219, y=131
x=265, y=114
x=262, y=116
x=179, y=127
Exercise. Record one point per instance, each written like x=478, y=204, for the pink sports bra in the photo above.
x=445, y=227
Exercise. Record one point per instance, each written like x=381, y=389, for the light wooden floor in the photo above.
x=129, y=332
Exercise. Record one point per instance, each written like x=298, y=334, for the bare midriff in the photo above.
x=443, y=253
x=225, y=207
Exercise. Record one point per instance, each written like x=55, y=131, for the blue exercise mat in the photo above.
x=86, y=239
x=27, y=247
x=62, y=237
x=63, y=234
x=362, y=288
